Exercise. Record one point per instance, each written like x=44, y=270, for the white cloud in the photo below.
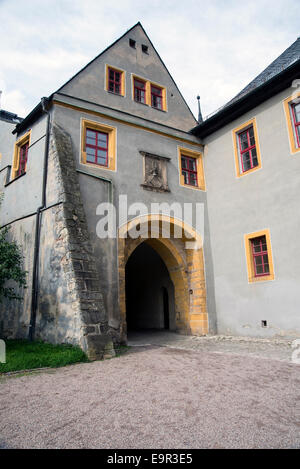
x=212, y=48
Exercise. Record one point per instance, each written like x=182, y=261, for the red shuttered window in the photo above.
x=189, y=170
x=23, y=159
x=260, y=256
x=139, y=91
x=247, y=146
x=114, y=81
x=156, y=97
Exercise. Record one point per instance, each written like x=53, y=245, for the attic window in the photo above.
x=145, y=49
x=132, y=43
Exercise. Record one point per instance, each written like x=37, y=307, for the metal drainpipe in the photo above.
x=35, y=270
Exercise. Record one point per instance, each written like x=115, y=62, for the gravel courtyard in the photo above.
x=220, y=394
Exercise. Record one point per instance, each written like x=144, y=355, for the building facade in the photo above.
x=200, y=228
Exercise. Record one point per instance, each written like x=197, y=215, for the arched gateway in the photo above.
x=182, y=254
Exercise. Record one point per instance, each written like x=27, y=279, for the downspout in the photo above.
x=35, y=269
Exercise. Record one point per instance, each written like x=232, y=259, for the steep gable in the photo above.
x=90, y=83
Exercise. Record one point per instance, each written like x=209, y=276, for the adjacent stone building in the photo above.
x=120, y=133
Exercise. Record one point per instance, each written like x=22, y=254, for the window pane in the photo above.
x=139, y=84
x=254, y=157
x=117, y=77
x=156, y=90
x=90, y=155
x=252, y=140
x=192, y=164
x=102, y=139
x=259, y=269
x=265, y=257
x=111, y=86
x=267, y=269
x=258, y=260
x=193, y=179
x=244, y=140
x=101, y=161
x=91, y=137
x=264, y=246
x=251, y=132
x=184, y=163
x=117, y=89
x=90, y=141
x=186, y=177
x=246, y=161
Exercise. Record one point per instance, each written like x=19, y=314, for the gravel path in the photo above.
x=155, y=397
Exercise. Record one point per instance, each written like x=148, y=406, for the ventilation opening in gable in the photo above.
x=132, y=43
x=145, y=49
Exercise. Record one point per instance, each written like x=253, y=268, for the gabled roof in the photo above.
x=29, y=119
x=276, y=77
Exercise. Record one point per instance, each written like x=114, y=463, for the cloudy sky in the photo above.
x=211, y=47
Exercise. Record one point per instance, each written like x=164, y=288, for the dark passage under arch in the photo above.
x=149, y=291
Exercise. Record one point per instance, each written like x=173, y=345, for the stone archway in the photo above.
x=183, y=257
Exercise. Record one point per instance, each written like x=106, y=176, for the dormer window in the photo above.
x=139, y=91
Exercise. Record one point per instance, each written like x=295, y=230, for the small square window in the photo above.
x=145, y=49
x=132, y=43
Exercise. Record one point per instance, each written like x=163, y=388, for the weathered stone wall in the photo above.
x=14, y=314
x=70, y=306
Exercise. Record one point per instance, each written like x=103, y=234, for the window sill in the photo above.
x=189, y=186
x=15, y=179
x=250, y=171
x=261, y=278
x=139, y=102
x=97, y=166
x=116, y=94
x=157, y=109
